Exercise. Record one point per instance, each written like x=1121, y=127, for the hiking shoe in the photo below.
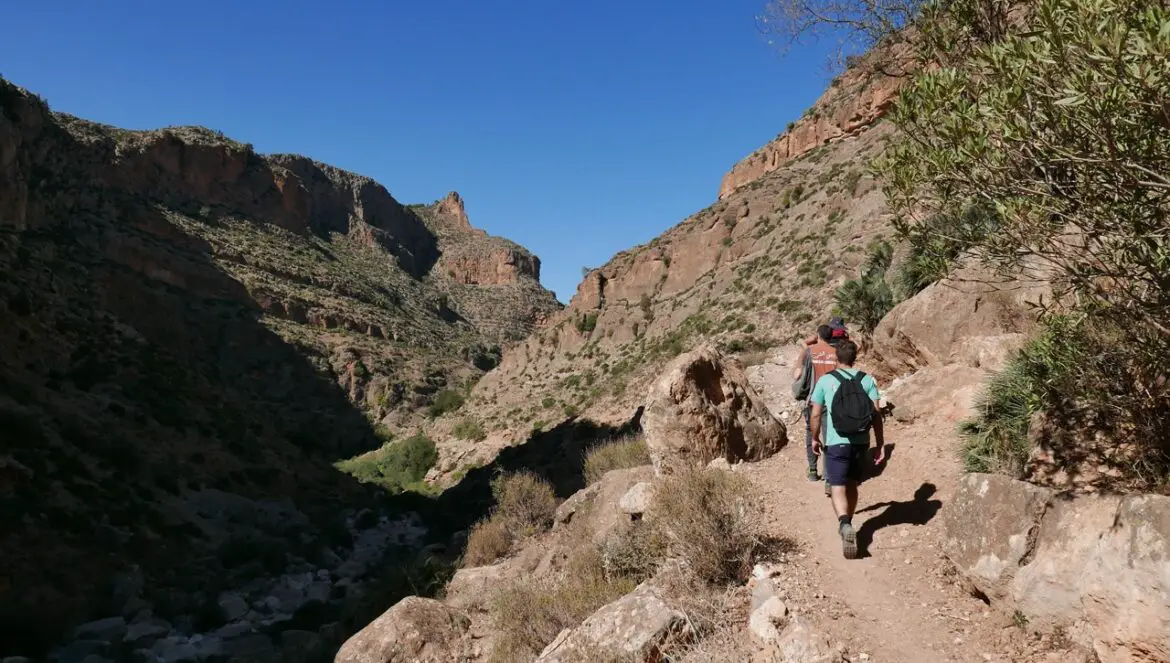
x=812, y=474
x=848, y=541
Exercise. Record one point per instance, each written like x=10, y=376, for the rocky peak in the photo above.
x=452, y=208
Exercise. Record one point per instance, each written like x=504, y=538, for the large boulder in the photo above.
x=415, y=630
x=703, y=408
x=990, y=527
x=640, y=626
x=968, y=319
x=1098, y=566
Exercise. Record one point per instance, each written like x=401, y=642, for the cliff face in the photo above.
x=855, y=101
x=189, y=322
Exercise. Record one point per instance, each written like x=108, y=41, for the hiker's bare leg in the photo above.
x=851, y=499
x=841, y=500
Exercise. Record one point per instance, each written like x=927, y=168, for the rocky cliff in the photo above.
x=193, y=334
x=855, y=100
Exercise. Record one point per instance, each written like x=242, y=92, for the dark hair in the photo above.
x=825, y=332
x=846, y=353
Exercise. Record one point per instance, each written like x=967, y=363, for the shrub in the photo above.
x=396, y=464
x=548, y=402
x=636, y=554
x=469, y=429
x=446, y=401
x=587, y=323
x=489, y=540
x=707, y=520
x=616, y=454
x=524, y=502
x=868, y=299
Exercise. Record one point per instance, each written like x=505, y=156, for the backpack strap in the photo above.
x=837, y=375
x=859, y=377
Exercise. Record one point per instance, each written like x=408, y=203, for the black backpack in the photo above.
x=852, y=409
x=803, y=385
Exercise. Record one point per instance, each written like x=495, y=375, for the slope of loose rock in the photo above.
x=193, y=333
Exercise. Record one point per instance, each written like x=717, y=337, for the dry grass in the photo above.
x=636, y=554
x=709, y=523
x=529, y=615
x=488, y=541
x=524, y=502
x=616, y=454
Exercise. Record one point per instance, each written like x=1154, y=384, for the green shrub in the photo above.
x=395, y=465
x=615, y=454
x=868, y=299
x=587, y=323
x=548, y=402
x=469, y=429
x=446, y=401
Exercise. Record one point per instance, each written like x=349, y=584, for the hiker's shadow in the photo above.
x=917, y=511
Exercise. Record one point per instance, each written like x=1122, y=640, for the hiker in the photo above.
x=851, y=398
x=815, y=361
x=838, y=332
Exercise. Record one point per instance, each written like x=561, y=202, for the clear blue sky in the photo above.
x=575, y=128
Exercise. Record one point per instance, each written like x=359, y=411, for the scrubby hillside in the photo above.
x=755, y=270
x=193, y=334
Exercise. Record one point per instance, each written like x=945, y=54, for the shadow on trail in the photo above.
x=874, y=470
x=917, y=511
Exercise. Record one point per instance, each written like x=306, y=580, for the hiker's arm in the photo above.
x=798, y=365
x=811, y=340
x=815, y=426
x=879, y=434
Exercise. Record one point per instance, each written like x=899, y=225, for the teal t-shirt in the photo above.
x=823, y=393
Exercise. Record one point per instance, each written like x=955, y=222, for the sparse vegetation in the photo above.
x=469, y=429
x=867, y=299
x=447, y=400
x=488, y=541
x=524, y=502
x=615, y=455
x=708, y=523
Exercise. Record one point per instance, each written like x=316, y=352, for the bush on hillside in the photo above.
x=1075, y=368
x=445, y=401
x=617, y=454
x=469, y=429
x=396, y=465
x=866, y=300
x=524, y=502
x=488, y=541
x=708, y=523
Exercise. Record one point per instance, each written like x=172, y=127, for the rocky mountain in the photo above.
x=193, y=334
x=753, y=271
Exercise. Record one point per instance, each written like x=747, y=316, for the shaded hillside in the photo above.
x=753, y=271
x=193, y=334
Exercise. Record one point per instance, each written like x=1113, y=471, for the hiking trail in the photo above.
x=899, y=603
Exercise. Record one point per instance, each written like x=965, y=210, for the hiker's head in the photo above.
x=825, y=332
x=846, y=353
x=837, y=328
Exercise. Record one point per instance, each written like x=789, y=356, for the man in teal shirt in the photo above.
x=844, y=455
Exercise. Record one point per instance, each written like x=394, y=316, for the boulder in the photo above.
x=640, y=626
x=1094, y=565
x=143, y=634
x=766, y=620
x=576, y=501
x=232, y=606
x=990, y=527
x=702, y=408
x=469, y=588
x=604, y=515
x=637, y=499
x=415, y=630
x=943, y=394
x=801, y=642
x=969, y=320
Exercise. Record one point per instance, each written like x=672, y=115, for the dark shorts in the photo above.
x=845, y=463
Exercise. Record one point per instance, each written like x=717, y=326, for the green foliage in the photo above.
x=548, y=402
x=616, y=454
x=469, y=429
x=937, y=243
x=447, y=400
x=866, y=300
x=396, y=465
x=587, y=323
x=1060, y=126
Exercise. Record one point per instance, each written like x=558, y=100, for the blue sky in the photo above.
x=575, y=128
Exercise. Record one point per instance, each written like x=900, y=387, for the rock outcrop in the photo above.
x=415, y=630
x=641, y=626
x=703, y=408
x=1095, y=566
x=855, y=101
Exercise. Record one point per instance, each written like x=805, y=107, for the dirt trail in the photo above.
x=899, y=603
